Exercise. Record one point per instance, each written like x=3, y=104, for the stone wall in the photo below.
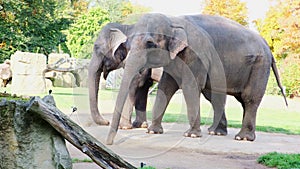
x=5, y=73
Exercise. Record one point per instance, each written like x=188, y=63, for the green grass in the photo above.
x=85, y=160
x=280, y=160
x=8, y=96
x=147, y=167
x=272, y=117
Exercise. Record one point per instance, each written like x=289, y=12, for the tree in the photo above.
x=32, y=26
x=290, y=24
x=119, y=10
x=232, y=9
x=82, y=34
x=79, y=7
x=281, y=29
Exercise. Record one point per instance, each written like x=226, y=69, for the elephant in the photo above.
x=199, y=54
x=110, y=50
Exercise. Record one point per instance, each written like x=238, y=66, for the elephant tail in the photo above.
x=275, y=70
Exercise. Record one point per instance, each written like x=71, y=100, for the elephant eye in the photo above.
x=150, y=44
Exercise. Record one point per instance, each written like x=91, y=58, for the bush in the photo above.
x=280, y=160
x=289, y=76
x=82, y=34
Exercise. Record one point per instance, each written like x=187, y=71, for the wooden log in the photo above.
x=86, y=143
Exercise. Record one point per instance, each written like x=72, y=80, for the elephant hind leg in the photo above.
x=250, y=99
x=247, y=131
x=219, y=126
x=250, y=103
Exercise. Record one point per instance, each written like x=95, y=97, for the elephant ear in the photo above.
x=178, y=41
x=117, y=37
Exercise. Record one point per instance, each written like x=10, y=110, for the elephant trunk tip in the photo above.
x=110, y=137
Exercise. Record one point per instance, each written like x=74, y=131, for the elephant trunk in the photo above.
x=131, y=70
x=94, y=73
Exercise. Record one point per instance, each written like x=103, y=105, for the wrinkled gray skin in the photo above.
x=199, y=53
x=110, y=50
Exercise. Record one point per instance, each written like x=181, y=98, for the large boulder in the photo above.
x=61, y=59
x=28, y=73
x=64, y=79
x=5, y=73
x=27, y=141
x=81, y=72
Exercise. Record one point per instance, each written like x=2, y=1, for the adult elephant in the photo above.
x=110, y=50
x=207, y=54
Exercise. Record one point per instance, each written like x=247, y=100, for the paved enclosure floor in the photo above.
x=172, y=150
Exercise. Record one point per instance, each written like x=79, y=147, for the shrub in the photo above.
x=82, y=34
x=289, y=76
x=280, y=160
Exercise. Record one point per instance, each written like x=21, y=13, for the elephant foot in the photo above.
x=220, y=131
x=155, y=129
x=101, y=121
x=139, y=124
x=245, y=136
x=193, y=133
x=125, y=125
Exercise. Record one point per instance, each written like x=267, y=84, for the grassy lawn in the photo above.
x=272, y=116
x=280, y=161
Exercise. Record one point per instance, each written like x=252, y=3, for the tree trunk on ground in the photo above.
x=99, y=153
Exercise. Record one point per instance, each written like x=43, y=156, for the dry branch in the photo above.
x=99, y=153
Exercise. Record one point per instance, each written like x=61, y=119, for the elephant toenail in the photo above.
x=212, y=133
x=186, y=134
x=151, y=132
x=194, y=135
x=219, y=134
x=245, y=139
x=144, y=125
x=238, y=138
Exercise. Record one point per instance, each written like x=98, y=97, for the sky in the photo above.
x=256, y=8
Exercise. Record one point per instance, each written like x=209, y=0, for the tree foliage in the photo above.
x=32, y=25
x=281, y=29
x=119, y=10
x=82, y=34
x=232, y=9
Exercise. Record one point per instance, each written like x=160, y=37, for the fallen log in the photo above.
x=86, y=143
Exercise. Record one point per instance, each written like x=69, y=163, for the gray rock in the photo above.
x=64, y=79
x=27, y=141
x=28, y=73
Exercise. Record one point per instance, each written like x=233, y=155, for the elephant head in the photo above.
x=110, y=49
x=156, y=42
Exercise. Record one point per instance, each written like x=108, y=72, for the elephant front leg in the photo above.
x=125, y=122
x=140, y=105
x=192, y=99
x=166, y=89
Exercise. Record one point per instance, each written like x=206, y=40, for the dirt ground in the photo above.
x=172, y=150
